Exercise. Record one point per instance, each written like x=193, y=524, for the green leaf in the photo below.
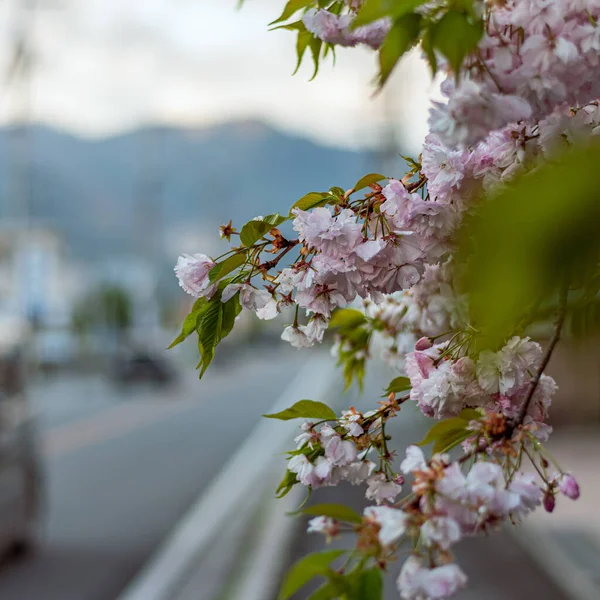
x=429, y=50
x=402, y=37
x=455, y=35
x=229, y=264
x=347, y=318
x=253, y=230
x=311, y=200
x=325, y=592
x=365, y=585
x=443, y=428
x=231, y=309
x=450, y=439
x=188, y=327
x=191, y=321
x=287, y=483
x=302, y=43
x=305, y=569
x=209, y=332
x=399, y=384
x=315, y=45
x=372, y=10
x=367, y=180
x=470, y=414
x=334, y=511
x=305, y=409
x=292, y=7
x=275, y=219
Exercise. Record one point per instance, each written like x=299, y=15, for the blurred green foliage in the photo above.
x=538, y=235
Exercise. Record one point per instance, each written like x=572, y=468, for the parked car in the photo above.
x=21, y=479
x=140, y=366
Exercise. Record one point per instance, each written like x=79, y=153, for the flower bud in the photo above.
x=549, y=501
x=569, y=486
x=423, y=344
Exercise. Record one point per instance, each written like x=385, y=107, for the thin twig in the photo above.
x=562, y=312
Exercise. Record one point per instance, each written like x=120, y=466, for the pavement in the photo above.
x=123, y=466
x=566, y=544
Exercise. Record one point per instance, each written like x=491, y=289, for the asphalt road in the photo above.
x=123, y=466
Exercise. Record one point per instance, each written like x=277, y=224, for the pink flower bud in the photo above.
x=549, y=502
x=423, y=344
x=569, y=486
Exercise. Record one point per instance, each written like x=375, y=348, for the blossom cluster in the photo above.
x=536, y=57
x=529, y=89
x=337, y=29
x=445, y=506
x=329, y=454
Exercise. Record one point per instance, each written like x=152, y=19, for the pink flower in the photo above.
x=296, y=337
x=392, y=523
x=334, y=236
x=331, y=28
x=529, y=493
x=382, y=490
x=418, y=583
x=335, y=29
x=192, y=272
x=569, y=487
x=549, y=502
x=441, y=531
x=414, y=461
x=423, y=343
x=444, y=168
x=340, y=452
x=322, y=524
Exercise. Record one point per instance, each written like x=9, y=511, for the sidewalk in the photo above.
x=567, y=543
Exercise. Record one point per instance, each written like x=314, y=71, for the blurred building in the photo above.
x=37, y=282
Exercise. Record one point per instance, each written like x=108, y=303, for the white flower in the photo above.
x=381, y=490
x=307, y=433
x=192, y=273
x=356, y=473
x=528, y=492
x=442, y=531
x=316, y=328
x=321, y=525
x=349, y=422
x=392, y=523
x=269, y=311
x=414, y=461
x=296, y=337
x=340, y=452
x=303, y=468
x=418, y=583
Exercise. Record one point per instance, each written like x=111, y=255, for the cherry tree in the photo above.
x=447, y=267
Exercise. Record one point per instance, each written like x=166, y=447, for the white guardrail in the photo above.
x=162, y=576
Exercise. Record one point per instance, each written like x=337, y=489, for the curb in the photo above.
x=167, y=570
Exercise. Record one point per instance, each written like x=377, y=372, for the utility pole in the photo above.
x=19, y=199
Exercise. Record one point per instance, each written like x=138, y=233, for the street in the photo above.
x=123, y=466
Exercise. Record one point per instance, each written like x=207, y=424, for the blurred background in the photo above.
x=129, y=131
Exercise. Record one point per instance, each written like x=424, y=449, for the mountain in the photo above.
x=112, y=196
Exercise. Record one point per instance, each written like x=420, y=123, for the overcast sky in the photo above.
x=102, y=66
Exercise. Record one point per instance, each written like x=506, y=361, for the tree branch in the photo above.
x=562, y=312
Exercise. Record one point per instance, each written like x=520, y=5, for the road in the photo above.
x=123, y=467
